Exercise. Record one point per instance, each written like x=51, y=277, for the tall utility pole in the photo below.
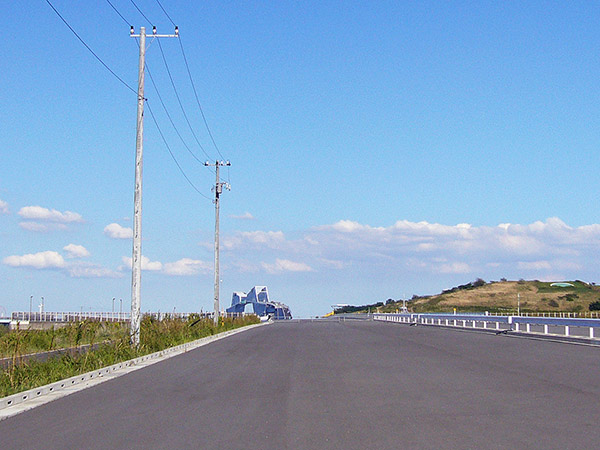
x=136, y=259
x=218, y=189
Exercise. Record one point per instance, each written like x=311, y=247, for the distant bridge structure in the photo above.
x=257, y=301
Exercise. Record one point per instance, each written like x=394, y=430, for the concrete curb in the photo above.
x=23, y=401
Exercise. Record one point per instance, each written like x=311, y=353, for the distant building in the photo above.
x=257, y=301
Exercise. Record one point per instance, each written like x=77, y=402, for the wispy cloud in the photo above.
x=152, y=266
x=187, y=266
x=256, y=239
x=181, y=267
x=89, y=270
x=245, y=216
x=51, y=215
x=116, y=231
x=285, y=265
x=3, y=207
x=42, y=227
x=536, y=249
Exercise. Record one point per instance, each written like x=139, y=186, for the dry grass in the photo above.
x=535, y=296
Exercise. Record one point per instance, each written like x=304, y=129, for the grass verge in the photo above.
x=23, y=341
x=154, y=336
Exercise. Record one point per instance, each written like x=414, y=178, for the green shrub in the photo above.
x=595, y=306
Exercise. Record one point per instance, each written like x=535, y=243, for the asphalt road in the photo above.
x=336, y=385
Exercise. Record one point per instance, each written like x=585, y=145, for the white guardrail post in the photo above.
x=571, y=327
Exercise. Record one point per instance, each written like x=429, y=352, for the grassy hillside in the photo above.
x=501, y=296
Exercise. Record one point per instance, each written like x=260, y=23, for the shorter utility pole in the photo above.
x=218, y=189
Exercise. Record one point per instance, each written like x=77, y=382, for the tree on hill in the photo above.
x=478, y=282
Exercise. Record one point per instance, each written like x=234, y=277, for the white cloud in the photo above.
x=245, y=216
x=348, y=226
x=285, y=265
x=455, y=267
x=182, y=267
x=255, y=239
x=41, y=260
x=85, y=270
x=334, y=264
x=116, y=231
x=534, y=265
x=3, y=207
x=187, y=266
x=55, y=261
x=76, y=251
x=245, y=266
x=542, y=247
x=42, y=227
x=50, y=215
x=152, y=266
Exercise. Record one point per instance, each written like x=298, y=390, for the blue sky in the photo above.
x=378, y=149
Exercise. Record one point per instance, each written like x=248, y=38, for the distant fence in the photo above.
x=556, y=326
x=567, y=315
x=62, y=317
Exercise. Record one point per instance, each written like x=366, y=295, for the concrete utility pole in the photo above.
x=136, y=259
x=218, y=189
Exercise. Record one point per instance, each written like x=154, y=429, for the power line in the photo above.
x=120, y=15
x=90, y=50
x=179, y=101
x=166, y=13
x=156, y=87
x=171, y=153
x=140, y=11
x=129, y=87
x=198, y=100
x=193, y=85
x=170, y=118
x=175, y=88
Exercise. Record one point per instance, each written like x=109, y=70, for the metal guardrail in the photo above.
x=24, y=316
x=564, y=315
x=352, y=316
x=532, y=325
